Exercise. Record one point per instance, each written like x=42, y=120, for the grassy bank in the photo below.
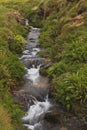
x=64, y=37
x=12, y=42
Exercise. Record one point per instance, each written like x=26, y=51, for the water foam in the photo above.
x=36, y=113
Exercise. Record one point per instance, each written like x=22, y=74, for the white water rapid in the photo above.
x=36, y=113
x=33, y=74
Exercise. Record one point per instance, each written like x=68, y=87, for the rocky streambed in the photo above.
x=42, y=113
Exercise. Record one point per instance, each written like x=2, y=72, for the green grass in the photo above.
x=5, y=119
x=65, y=42
x=11, y=69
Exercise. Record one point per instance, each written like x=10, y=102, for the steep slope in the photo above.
x=12, y=42
x=64, y=37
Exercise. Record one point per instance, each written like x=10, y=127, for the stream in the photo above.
x=35, y=84
x=42, y=113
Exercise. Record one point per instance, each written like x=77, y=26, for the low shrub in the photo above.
x=18, y=44
x=72, y=87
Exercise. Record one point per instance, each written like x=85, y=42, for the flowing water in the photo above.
x=35, y=84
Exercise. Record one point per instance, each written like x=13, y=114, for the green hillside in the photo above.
x=63, y=26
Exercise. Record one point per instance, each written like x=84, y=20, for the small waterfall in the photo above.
x=37, y=111
x=33, y=73
x=36, y=114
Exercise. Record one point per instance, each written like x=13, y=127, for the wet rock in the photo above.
x=38, y=91
x=24, y=99
x=55, y=122
x=76, y=124
x=47, y=65
x=29, y=93
x=32, y=61
x=59, y=119
x=53, y=117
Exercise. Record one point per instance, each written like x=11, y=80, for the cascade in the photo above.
x=38, y=109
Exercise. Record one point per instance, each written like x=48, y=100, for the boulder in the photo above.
x=53, y=117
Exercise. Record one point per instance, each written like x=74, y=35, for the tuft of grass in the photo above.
x=5, y=119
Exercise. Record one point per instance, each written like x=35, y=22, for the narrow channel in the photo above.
x=35, y=84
